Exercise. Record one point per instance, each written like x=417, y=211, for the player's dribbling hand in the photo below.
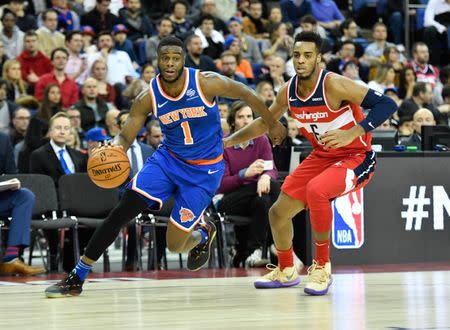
x=277, y=133
x=105, y=144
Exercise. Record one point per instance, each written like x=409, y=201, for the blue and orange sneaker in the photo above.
x=199, y=255
x=72, y=285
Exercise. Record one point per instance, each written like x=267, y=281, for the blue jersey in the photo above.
x=190, y=123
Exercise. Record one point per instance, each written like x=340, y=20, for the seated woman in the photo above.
x=384, y=78
x=106, y=92
x=138, y=85
x=250, y=188
x=13, y=75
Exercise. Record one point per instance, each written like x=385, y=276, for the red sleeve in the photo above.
x=111, y=94
x=24, y=69
x=39, y=89
x=74, y=96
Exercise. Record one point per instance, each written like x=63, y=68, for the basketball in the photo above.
x=108, y=167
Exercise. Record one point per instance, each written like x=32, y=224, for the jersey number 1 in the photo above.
x=187, y=133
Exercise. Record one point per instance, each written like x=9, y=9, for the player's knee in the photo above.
x=313, y=191
x=275, y=215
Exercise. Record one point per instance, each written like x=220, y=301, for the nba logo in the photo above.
x=348, y=220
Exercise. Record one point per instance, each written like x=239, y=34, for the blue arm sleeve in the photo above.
x=381, y=108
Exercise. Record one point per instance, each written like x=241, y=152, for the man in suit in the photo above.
x=17, y=203
x=137, y=154
x=55, y=159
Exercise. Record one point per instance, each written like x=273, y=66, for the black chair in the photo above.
x=87, y=203
x=154, y=219
x=45, y=214
x=228, y=221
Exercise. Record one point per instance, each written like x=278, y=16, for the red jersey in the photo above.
x=315, y=117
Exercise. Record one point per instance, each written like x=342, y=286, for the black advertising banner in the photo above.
x=402, y=216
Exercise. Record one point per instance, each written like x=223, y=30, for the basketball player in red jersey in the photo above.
x=327, y=109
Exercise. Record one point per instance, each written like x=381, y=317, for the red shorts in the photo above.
x=341, y=174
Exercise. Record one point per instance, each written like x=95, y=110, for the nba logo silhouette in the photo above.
x=348, y=221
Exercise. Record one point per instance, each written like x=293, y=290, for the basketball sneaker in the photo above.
x=319, y=279
x=278, y=278
x=70, y=286
x=199, y=255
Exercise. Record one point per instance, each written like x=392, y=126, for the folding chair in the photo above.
x=45, y=214
x=87, y=203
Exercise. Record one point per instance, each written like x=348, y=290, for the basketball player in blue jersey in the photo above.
x=188, y=164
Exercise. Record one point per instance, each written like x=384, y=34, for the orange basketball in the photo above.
x=108, y=167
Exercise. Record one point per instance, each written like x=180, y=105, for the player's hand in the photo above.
x=277, y=133
x=106, y=144
x=263, y=186
x=338, y=138
x=256, y=168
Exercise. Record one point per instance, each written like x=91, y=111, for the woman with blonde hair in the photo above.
x=384, y=78
x=106, y=92
x=280, y=41
x=137, y=86
x=13, y=75
x=73, y=140
x=265, y=91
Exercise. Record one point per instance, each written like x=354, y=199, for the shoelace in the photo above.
x=317, y=273
x=275, y=272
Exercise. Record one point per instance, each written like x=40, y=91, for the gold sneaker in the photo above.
x=319, y=279
x=278, y=278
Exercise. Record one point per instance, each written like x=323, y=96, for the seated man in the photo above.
x=56, y=159
x=422, y=117
x=250, y=187
x=17, y=203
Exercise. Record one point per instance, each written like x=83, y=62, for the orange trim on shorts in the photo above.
x=143, y=193
x=183, y=91
x=200, y=90
x=187, y=230
x=199, y=161
x=205, y=161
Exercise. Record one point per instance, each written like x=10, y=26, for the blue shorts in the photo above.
x=193, y=186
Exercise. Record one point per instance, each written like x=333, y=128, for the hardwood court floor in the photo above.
x=413, y=300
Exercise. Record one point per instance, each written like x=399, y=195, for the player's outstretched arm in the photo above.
x=141, y=108
x=258, y=126
x=214, y=85
x=341, y=89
